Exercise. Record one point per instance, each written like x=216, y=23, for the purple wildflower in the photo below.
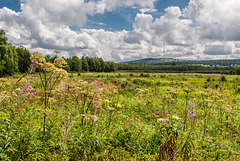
x=35, y=61
x=164, y=120
x=26, y=89
x=95, y=83
x=34, y=91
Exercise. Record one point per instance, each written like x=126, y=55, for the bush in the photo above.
x=144, y=75
x=208, y=79
x=223, y=78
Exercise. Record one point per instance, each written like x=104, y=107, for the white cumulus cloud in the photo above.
x=205, y=29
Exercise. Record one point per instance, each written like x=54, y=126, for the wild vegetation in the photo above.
x=49, y=114
x=52, y=115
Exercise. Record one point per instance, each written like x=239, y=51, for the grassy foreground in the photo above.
x=120, y=116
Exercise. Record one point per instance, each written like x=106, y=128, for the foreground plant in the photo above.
x=50, y=74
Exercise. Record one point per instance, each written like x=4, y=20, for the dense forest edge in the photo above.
x=17, y=59
x=14, y=60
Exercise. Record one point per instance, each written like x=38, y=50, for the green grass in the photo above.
x=127, y=117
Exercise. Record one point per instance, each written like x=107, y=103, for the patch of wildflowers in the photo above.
x=34, y=91
x=26, y=89
x=35, y=61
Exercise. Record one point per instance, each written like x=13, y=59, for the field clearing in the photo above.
x=120, y=116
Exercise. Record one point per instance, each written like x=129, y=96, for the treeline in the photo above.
x=86, y=64
x=13, y=60
x=234, y=70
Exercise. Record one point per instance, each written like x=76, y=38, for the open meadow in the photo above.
x=120, y=116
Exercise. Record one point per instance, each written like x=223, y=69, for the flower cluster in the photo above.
x=27, y=89
x=34, y=91
x=35, y=61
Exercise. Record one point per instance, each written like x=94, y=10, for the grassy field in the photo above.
x=120, y=116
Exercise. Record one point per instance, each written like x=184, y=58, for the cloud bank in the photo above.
x=205, y=29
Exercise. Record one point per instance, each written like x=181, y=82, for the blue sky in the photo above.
x=119, y=19
x=125, y=30
x=123, y=18
x=12, y=4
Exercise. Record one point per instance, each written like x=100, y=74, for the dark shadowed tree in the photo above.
x=8, y=56
x=92, y=65
x=102, y=65
x=75, y=64
x=85, y=66
x=23, y=59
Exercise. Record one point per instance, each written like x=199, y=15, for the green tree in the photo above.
x=102, y=64
x=85, y=66
x=92, y=65
x=97, y=64
x=8, y=56
x=107, y=67
x=113, y=66
x=23, y=59
x=75, y=64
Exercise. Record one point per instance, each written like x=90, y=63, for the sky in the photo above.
x=122, y=30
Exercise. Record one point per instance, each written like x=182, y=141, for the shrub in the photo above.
x=208, y=79
x=144, y=75
x=223, y=78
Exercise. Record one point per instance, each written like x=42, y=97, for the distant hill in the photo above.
x=171, y=61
